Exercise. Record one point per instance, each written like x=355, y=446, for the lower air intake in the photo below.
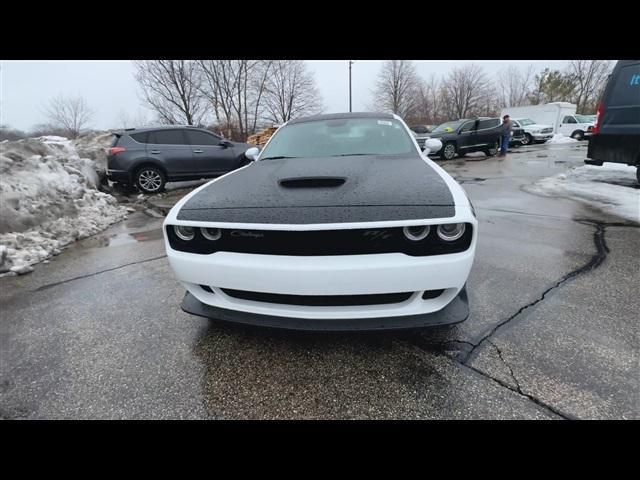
x=320, y=300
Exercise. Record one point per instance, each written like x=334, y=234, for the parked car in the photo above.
x=560, y=115
x=150, y=157
x=340, y=223
x=533, y=132
x=579, y=127
x=468, y=135
x=421, y=132
x=616, y=136
x=518, y=137
x=421, y=128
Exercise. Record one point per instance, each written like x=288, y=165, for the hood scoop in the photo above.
x=312, y=182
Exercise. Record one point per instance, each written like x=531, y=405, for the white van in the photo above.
x=560, y=115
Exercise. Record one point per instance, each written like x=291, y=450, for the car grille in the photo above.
x=321, y=300
x=546, y=130
x=320, y=242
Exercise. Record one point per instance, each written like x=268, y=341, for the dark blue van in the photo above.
x=616, y=135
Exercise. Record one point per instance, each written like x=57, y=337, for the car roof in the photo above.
x=341, y=116
x=159, y=127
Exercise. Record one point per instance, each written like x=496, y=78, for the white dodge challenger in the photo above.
x=339, y=223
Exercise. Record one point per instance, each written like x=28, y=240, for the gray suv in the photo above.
x=150, y=157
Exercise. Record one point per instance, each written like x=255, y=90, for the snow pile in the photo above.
x=610, y=188
x=560, y=138
x=55, y=140
x=93, y=146
x=48, y=199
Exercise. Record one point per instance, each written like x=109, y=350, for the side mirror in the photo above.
x=432, y=145
x=226, y=144
x=252, y=153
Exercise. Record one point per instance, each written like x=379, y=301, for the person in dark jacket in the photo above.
x=505, y=135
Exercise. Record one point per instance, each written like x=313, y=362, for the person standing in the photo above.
x=505, y=135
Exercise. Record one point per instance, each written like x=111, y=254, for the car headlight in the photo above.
x=212, y=234
x=450, y=232
x=416, y=233
x=184, y=233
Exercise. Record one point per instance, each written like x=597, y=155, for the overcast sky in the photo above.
x=111, y=90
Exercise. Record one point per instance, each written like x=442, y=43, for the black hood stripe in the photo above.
x=376, y=188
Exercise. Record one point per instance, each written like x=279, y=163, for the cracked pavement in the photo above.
x=553, y=330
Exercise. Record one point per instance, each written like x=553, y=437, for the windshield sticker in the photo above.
x=384, y=122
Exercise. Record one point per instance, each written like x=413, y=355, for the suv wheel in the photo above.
x=527, y=140
x=150, y=179
x=578, y=135
x=448, y=151
x=492, y=151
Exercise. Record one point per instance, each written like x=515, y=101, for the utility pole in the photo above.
x=350, y=63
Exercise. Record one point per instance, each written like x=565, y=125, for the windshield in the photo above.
x=584, y=118
x=340, y=137
x=526, y=121
x=447, y=127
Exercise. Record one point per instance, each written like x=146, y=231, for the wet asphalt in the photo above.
x=97, y=333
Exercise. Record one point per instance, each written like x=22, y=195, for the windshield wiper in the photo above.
x=277, y=157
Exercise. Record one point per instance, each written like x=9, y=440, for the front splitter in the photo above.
x=455, y=311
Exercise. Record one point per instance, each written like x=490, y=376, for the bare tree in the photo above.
x=589, y=78
x=172, y=89
x=8, y=133
x=71, y=114
x=397, y=88
x=467, y=91
x=290, y=91
x=235, y=90
x=429, y=102
x=515, y=85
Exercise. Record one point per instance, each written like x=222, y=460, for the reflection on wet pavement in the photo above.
x=137, y=228
x=118, y=239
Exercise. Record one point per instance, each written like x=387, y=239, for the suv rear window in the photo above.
x=626, y=90
x=140, y=137
x=167, y=137
x=196, y=137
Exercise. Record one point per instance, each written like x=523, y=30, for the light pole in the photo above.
x=350, y=63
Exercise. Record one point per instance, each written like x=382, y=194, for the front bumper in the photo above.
x=325, y=276
x=542, y=137
x=455, y=312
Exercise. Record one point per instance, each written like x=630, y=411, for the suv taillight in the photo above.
x=599, y=115
x=116, y=150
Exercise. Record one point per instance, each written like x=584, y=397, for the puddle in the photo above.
x=118, y=239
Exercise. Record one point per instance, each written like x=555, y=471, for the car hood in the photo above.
x=325, y=189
